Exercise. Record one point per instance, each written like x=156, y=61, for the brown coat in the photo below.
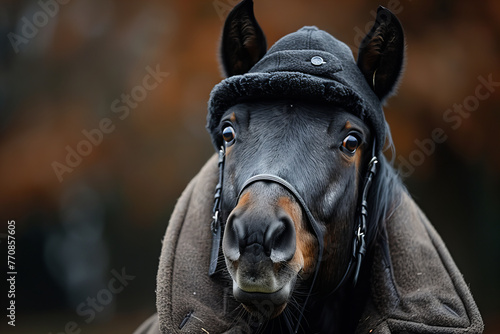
x=420, y=290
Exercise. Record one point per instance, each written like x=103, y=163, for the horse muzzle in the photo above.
x=262, y=251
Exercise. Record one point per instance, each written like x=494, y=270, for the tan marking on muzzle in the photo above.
x=305, y=253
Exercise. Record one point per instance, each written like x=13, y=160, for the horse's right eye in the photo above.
x=350, y=144
x=228, y=135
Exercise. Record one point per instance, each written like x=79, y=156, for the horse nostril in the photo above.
x=230, y=242
x=279, y=241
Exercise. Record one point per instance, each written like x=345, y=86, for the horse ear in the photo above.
x=381, y=54
x=243, y=42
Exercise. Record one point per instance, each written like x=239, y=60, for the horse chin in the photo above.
x=265, y=305
x=263, y=314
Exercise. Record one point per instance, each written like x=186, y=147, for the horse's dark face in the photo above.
x=268, y=242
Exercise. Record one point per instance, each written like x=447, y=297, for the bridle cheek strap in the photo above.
x=217, y=226
x=359, y=246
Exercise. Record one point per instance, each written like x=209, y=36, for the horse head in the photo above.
x=297, y=126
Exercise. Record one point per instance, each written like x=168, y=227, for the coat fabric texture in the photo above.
x=417, y=289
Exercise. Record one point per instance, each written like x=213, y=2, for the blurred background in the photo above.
x=102, y=115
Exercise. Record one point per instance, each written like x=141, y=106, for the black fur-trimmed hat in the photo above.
x=312, y=65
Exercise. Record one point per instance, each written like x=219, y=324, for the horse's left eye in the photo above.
x=350, y=143
x=228, y=135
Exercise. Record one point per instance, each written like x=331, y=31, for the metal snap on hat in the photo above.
x=317, y=61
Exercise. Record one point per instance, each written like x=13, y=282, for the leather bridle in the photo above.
x=359, y=242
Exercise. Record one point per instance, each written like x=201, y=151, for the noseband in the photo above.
x=359, y=243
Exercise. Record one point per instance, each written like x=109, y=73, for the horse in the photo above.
x=312, y=230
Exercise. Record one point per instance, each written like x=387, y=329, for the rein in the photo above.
x=359, y=242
